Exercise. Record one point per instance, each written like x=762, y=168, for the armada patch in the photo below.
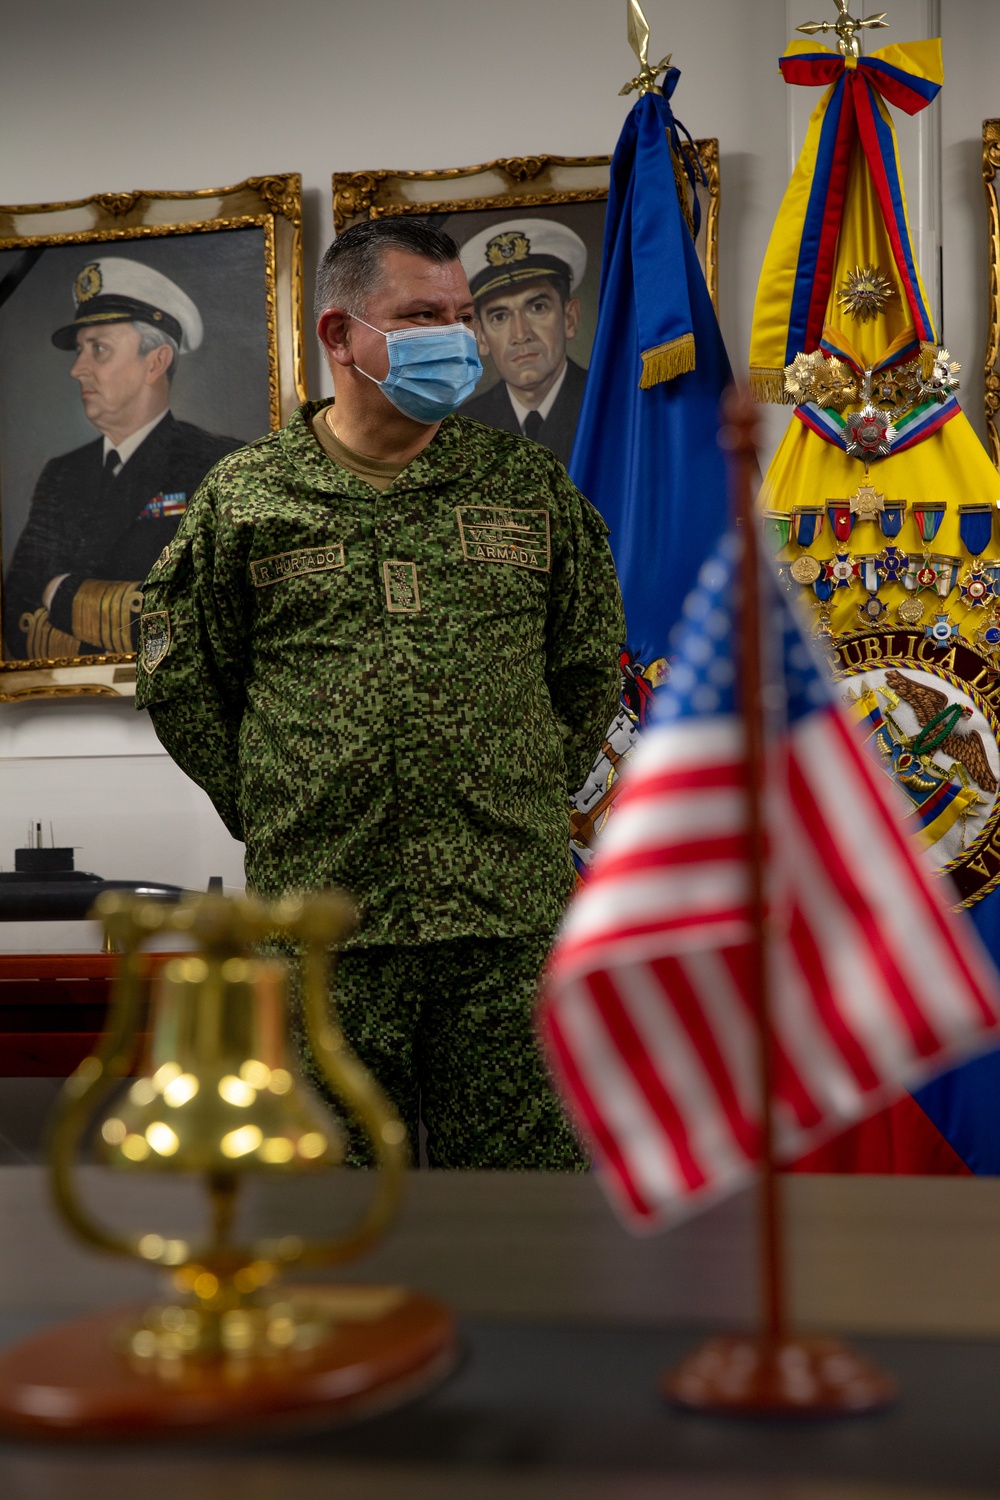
x=402, y=594
x=154, y=631
x=931, y=713
x=267, y=570
x=493, y=534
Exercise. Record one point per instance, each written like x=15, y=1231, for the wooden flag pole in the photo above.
x=739, y=436
x=769, y=1372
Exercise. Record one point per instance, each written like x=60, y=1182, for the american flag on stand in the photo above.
x=648, y=1010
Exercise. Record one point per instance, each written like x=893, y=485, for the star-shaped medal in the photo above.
x=869, y=433
x=841, y=570
x=943, y=378
x=927, y=574
x=977, y=587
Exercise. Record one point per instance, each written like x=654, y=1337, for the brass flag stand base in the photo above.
x=383, y=1346
x=753, y=1375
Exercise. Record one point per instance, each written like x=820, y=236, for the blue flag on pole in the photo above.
x=645, y=452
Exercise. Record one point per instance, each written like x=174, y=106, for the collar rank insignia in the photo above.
x=842, y=570
x=977, y=587
x=941, y=630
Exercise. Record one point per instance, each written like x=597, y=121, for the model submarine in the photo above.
x=45, y=886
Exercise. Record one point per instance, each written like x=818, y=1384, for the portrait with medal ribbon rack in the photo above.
x=143, y=336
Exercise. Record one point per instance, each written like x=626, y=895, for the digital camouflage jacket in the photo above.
x=391, y=692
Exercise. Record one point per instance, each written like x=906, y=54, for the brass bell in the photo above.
x=217, y=1094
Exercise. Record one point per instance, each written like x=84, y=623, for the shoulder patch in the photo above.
x=154, y=638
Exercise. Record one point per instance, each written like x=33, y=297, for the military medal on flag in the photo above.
x=765, y=953
x=843, y=331
x=747, y=970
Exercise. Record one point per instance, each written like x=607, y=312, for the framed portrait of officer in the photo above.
x=143, y=336
x=530, y=232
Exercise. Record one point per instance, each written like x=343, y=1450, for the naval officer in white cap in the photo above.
x=101, y=514
x=522, y=275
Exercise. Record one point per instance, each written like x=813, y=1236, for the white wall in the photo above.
x=117, y=95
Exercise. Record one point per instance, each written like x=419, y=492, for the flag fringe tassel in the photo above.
x=667, y=361
x=769, y=385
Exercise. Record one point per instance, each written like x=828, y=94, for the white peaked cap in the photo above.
x=116, y=290
x=523, y=250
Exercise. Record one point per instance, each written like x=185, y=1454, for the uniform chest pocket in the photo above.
x=504, y=563
x=303, y=592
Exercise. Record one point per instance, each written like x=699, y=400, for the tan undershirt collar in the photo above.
x=378, y=472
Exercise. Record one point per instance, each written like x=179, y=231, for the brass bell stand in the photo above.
x=215, y=1095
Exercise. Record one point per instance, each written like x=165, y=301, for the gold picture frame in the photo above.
x=238, y=251
x=534, y=327
x=991, y=163
x=513, y=182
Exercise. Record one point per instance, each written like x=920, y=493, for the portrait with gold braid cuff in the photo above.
x=82, y=529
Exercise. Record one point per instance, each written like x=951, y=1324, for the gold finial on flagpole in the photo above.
x=638, y=39
x=846, y=27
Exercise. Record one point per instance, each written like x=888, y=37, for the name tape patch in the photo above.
x=492, y=535
x=268, y=570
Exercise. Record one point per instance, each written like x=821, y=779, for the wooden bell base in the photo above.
x=754, y=1376
x=73, y=1382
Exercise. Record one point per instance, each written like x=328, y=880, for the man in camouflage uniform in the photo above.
x=388, y=650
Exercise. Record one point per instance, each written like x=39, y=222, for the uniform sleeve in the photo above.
x=34, y=561
x=190, y=665
x=586, y=631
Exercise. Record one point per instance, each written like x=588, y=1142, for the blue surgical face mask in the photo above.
x=431, y=370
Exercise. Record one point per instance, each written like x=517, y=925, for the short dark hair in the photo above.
x=352, y=267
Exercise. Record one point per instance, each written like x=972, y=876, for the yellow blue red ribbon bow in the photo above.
x=794, y=290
